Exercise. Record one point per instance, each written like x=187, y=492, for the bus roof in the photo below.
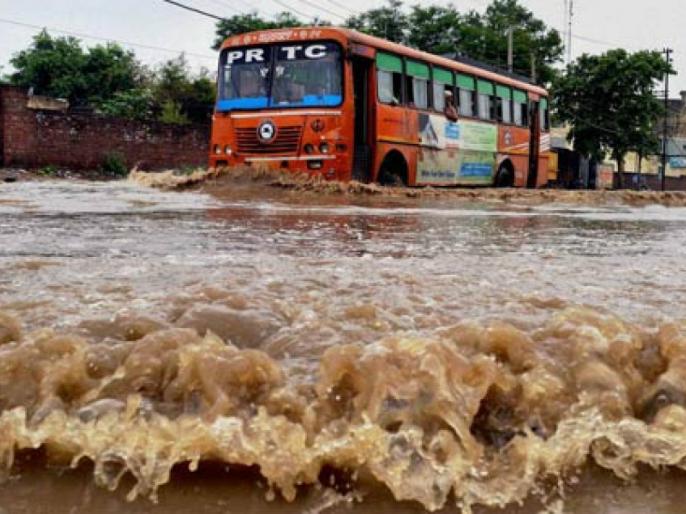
x=344, y=35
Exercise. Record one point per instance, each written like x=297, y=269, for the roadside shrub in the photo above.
x=48, y=171
x=113, y=165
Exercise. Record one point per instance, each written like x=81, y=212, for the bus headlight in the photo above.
x=227, y=150
x=324, y=148
x=309, y=149
x=217, y=150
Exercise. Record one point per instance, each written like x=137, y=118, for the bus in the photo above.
x=349, y=106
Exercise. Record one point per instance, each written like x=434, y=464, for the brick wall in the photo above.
x=33, y=138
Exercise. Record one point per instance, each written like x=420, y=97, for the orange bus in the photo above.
x=349, y=106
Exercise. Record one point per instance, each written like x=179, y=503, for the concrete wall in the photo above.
x=35, y=137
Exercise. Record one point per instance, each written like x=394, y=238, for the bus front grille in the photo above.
x=287, y=141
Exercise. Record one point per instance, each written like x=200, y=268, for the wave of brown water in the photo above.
x=222, y=181
x=437, y=350
x=482, y=412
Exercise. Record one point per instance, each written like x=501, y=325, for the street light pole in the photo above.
x=665, y=126
x=510, y=49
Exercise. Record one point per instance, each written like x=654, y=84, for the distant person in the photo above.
x=450, y=110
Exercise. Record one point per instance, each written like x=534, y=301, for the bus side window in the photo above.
x=466, y=102
x=389, y=73
x=485, y=100
x=503, y=99
x=409, y=91
x=506, y=110
x=442, y=83
x=521, y=108
x=390, y=87
x=420, y=93
x=417, y=75
x=466, y=95
x=439, y=96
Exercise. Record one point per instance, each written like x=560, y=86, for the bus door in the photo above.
x=362, y=156
x=534, y=143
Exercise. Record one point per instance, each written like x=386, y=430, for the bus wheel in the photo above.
x=393, y=170
x=505, y=176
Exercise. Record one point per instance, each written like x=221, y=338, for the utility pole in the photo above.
x=665, y=127
x=570, y=23
x=510, y=49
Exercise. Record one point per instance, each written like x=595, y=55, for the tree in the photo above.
x=445, y=31
x=183, y=97
x=59, y=67
x=135, y=104
x=434, y=29
x=242, y=23
x=51, y=66
x=388, y=22
x=108, y=70
x=531, y=39
x=609, y=104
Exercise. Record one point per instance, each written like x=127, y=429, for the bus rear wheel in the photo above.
x=393, y=170
x=505, y=176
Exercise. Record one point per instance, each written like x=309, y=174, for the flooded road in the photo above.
x=412, y=353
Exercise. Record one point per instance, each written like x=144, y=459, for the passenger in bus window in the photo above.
x=449, y=109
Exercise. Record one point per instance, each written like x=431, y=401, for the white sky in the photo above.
x=631, y=24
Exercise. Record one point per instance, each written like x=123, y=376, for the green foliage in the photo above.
x=242, y=23
x=443, y=30
x=52, y=66
x=59, y=67
x=388, y=22
x=609, y=103
x=434, y=29
x=109, y=70
x=531, y=38
x=134, y=104
x=48, y=171
x=113, y=81
x=183, y=97
x=446, y=31
x=113, y=165
x=171, y=113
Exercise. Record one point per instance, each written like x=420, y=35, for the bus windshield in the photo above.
x=289, y=75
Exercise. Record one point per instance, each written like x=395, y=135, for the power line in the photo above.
x=99, y=38
x=323, y=9
x=291, y=8
x=233, y=9
x=193, y=9
x=342, y=7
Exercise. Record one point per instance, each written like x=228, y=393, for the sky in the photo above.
x=158, y=31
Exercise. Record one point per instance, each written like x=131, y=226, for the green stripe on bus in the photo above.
x=484, y=87
x=503, y=92
x=389, y=62
x=544, y=103
x=417, y=69
x=443, y=76
x=520, y=97
x=465, y=82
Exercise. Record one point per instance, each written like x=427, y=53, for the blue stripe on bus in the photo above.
x=263, y=102
x=242, y=103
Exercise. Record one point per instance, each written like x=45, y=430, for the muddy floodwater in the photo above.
x=250, y=349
